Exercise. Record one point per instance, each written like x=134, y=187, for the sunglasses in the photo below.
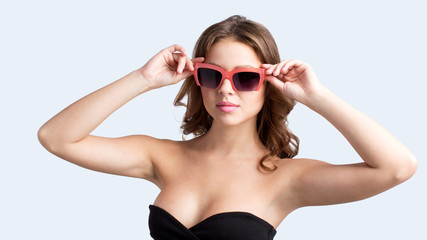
x=242, y=79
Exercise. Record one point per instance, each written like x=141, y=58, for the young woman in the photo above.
x=237, y=178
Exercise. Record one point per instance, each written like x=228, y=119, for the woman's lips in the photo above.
x=227, y=107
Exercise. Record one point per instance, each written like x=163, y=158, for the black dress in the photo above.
x=221, y=226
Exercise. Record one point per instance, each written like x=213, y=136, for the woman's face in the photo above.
x=230, y=54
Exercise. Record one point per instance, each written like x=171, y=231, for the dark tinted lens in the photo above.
x=246, y=81
x=208, y=77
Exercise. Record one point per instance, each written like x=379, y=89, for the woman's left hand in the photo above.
x=296, y=79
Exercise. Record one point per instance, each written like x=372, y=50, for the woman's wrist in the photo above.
x=317, y=99
x=143, y=84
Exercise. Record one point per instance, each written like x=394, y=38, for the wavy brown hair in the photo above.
x=272, y=124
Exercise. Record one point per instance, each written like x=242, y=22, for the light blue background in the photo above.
x=370, y=53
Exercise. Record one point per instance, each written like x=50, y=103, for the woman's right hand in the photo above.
x=168, y=67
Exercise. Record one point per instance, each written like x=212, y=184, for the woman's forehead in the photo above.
x=232, y=54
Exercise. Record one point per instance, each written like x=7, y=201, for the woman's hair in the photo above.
x=272, y=119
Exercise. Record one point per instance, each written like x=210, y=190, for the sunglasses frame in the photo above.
x=229, y=74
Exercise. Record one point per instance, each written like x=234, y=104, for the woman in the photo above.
x=237, y=178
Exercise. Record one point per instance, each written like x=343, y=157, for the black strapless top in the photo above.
x=221, y=226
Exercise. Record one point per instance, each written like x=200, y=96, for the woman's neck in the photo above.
x=235, y=140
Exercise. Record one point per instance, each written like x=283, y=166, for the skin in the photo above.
x=219, y=172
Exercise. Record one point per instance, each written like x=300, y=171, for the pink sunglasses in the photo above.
x=242, y=79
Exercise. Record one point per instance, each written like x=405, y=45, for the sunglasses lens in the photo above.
x=246, y=81
x=208, y=77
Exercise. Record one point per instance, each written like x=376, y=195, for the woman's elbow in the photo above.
x=45, y=139
x=42, y=136
x=407, y=169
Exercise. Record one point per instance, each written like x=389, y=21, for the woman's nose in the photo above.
x=226, y=87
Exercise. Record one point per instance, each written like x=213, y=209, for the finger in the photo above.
x=279, y=67
x=187, y=65
x=198, y=59
x=188, y=72
x=271, y=69
x=191, y=62
x=181, y=64
x=276, y=82
x=290, y=65
x=176, y=56
x=266, y=65
x=194, y=61
x=177, y=48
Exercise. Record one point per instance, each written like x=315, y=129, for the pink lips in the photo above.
x=227, y=106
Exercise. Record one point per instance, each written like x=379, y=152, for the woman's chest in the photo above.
x=210, y=188
x=193, y=201
x=196, y=191
x=194, y=187
x=216, y=178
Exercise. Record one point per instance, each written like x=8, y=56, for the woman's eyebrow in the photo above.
x=240, y=66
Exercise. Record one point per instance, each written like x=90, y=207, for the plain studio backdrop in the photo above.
x=372, y=54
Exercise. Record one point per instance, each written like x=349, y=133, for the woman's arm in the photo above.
x=67, y=133
x=374, y=144
x=387, y=162
x=75, y=122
